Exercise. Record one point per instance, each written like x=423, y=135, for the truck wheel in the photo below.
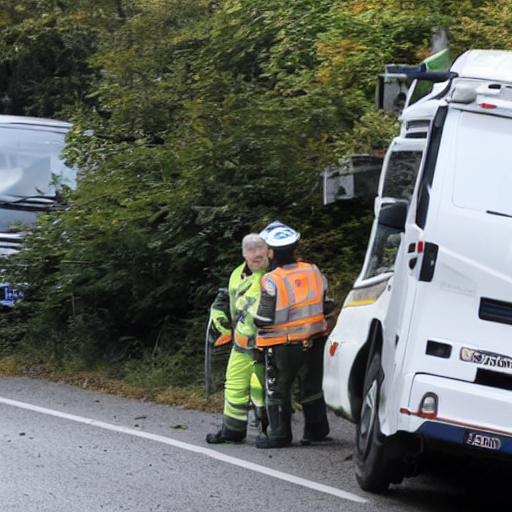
x=372, y=469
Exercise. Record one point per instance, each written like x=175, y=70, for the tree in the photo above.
x=195, y=122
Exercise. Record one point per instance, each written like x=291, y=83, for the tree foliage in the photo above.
x=196, y=122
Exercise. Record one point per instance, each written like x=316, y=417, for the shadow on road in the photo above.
x=456, y=485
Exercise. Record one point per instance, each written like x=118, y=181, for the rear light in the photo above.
x=333, y=347
x=428, y=406
x=487, y=105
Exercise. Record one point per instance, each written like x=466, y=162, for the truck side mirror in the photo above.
x=391, y=90
x=394, y=216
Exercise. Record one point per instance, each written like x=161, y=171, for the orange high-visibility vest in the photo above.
x=299, y=306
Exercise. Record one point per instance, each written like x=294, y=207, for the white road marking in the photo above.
x=191, y=448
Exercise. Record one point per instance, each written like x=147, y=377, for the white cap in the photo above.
x=277, y=234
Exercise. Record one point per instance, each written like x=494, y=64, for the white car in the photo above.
x=32, y=171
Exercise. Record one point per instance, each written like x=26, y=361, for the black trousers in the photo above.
x=284, y=364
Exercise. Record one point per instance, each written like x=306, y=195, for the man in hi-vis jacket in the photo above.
x=244, y=381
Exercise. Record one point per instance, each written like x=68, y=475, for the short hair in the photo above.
x=252, y=240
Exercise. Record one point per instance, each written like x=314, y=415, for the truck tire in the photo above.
x=372, y=469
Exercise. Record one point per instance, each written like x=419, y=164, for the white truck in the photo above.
x=32, y=173
x=421, y=355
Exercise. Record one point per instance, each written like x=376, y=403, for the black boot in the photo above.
x=316, y=424
x=225, y=435
x=280, y=429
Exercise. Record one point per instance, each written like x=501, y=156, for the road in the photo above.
x=67, y=449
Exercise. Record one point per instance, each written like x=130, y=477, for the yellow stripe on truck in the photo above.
x=359, y=303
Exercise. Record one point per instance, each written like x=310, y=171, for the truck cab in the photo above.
x=421, y=355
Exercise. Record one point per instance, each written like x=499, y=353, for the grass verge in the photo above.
x=190, y=397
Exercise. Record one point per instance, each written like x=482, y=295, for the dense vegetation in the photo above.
x=195, y=122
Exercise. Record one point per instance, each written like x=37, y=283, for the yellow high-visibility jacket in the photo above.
x=244, y=289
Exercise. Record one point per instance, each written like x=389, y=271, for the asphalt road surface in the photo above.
x=66, y=449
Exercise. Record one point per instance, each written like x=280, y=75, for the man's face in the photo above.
x=256, y=256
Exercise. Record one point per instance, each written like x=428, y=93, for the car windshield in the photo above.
x=32, y=170
x=30, y=161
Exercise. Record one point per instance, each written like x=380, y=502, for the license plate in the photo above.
x=482, y=441
x=10, y=296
